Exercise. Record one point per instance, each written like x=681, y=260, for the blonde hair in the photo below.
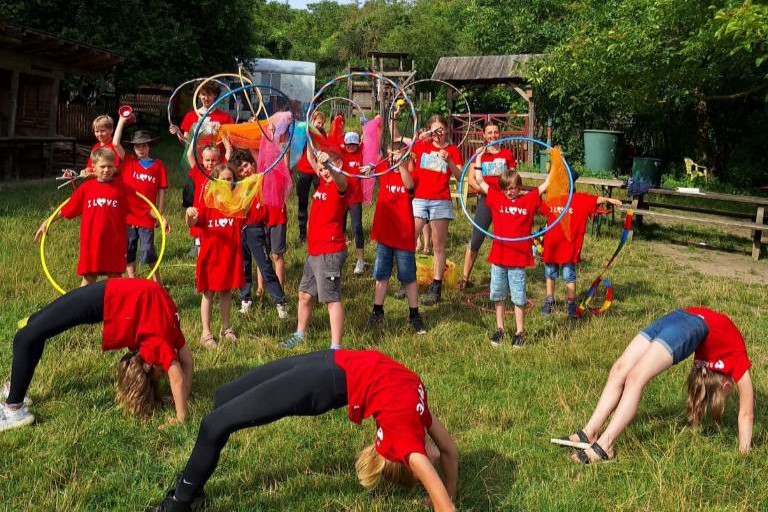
x=706, y=394
x=371, y=468
x=103, y=121
x=136, y=391
x=226, y=166
x=99, y=154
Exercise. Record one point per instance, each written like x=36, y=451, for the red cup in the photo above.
x=127, y=112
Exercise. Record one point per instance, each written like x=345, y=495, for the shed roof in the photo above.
x=68, y=54
x=483, y=68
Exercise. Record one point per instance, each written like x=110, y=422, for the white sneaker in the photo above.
x=7, y=391
x=359, y=267
x=282, y=311
x=10, y=418
x=245, y=306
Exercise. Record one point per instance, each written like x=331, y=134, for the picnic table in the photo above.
x=753, y=221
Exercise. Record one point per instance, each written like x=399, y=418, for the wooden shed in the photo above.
x=32, y=65
x=491, y=70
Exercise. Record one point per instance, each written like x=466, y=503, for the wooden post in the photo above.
x=12, y=107
x=531, y=123
x=757, y=234
x=449, y=103
x=54, y=109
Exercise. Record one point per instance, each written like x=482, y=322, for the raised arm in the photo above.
x=339, y=179
x=405, y=172
x=449, y=455
x=118, y=136
x=544, y=186
x=746, y=412
x=480, y=182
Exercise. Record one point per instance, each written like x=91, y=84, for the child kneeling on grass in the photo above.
x=720, y=363
x=369, y=383
x=139, y=315
x=512, y=214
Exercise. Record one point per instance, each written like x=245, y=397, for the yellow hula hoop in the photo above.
x=47, y=273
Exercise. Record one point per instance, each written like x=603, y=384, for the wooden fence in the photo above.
x=510, y=125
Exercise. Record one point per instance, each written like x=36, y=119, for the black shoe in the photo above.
x=432, y=297
x=171, y=504
x=549, y=305
x=418, y=324
x=519, y=340
x=497, y=337
x=375, y=319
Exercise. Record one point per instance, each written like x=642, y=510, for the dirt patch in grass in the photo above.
x=715, y=263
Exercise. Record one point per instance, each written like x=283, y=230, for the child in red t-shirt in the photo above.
x=138, y=315
x=352, y=157
x=104, y=206
x=220, y=262
x=210, y=157
x=512, y=214
x=207, y=95
x=103, y=130
x=395, y=233
x=369, y=384
x=720, y=364
x=562, y=253
x=306, y=178
x=148, y=176
x=326, y=250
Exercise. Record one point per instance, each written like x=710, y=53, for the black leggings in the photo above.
x=303, y=385
x=355, y=211
x=483, y=219
x=80, y=306
x=303, y=184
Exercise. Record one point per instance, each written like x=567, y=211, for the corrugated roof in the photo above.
x=485, y=68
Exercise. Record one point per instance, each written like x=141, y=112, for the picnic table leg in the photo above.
x=757, y=235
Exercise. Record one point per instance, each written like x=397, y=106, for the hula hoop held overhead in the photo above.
x=313, y=107
x=470, y=162
x=44, y=263
x=450, y=86
x=216, y=103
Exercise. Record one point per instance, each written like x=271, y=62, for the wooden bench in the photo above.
x=642, y=209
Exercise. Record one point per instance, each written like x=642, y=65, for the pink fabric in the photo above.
x=277, y=183
x=371, y=152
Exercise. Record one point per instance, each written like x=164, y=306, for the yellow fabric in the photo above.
x=559, y=186
x=233, y=201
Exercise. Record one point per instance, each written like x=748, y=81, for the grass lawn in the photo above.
x=502, y=405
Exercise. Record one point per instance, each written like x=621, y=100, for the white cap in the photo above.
x=351, y=138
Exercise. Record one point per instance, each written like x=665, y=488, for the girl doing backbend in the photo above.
x=138, y=314
x=368, y=383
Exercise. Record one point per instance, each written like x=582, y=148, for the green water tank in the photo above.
x=601, y=149
x=647, y=170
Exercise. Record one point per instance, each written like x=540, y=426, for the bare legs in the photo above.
x=206, y=311
x=335, y=315
x=641, y=361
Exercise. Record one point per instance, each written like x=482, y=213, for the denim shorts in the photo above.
x=141, y=241
x=679, y=332
x=386, y=256
x=433, y=209
x=551, y=271
x=508, y=282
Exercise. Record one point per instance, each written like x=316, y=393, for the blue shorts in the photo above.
x=141, y=241
x=508, y=282
x=551, y=271
x=386, y=256
x=679, y=332
x=433, y=209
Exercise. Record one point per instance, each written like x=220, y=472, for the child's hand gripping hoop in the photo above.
x=470, y=162
x=399, y=91
x=47, y=273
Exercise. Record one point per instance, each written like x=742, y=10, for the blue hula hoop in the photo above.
x=470, y=161
x=213, y=107
x=312, y=107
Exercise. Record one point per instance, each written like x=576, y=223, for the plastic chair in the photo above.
x=694, y=170
x=453, y=184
